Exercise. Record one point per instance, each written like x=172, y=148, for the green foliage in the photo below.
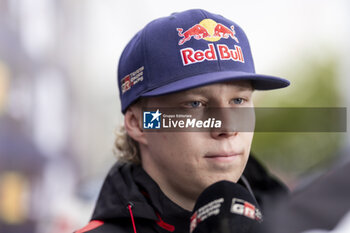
x=313, y=84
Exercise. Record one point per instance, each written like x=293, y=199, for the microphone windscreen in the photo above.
x=225, y=207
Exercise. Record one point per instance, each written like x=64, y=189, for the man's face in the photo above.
x=188, y=162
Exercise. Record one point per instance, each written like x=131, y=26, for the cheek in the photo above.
x=176, y=148
x=248, y=138
x=167, y=145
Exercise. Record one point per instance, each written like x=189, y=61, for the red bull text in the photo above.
x=190, y=56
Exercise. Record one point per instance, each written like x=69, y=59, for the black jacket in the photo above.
x=322, y=205
x=129, y=193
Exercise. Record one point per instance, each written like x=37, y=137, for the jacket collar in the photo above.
x=129, y=183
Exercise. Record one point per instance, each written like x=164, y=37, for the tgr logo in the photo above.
x=151, y=120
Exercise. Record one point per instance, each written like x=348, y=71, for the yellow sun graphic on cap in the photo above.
x=210, y=25
x=217, y=31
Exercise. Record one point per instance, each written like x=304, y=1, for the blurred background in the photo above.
x=59, y=104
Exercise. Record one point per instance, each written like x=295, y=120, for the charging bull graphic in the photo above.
x=208, y=30
x=224, y=32
x=197, y=31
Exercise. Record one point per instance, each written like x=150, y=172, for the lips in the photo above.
x=223, y=156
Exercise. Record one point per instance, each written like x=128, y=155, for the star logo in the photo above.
x=156, y=115
x=151, y=120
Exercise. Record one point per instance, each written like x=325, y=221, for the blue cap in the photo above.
x=187, y=50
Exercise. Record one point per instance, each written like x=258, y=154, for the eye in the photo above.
x=238, y=101
x=195, y=104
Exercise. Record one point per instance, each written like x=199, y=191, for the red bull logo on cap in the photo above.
x=210, y=31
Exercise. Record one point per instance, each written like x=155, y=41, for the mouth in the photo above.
x=224, y=157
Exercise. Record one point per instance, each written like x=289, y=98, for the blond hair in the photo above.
x=126, y=149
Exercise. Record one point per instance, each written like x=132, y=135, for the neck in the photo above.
x=176, y=193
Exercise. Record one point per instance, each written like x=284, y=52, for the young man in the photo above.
x=190, y=60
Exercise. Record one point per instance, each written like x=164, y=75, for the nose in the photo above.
x=234, y=120
x=222, y=134
x=227, y=128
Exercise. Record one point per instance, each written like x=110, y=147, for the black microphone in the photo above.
x=225, y=207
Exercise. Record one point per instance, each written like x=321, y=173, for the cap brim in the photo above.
x=260, y=82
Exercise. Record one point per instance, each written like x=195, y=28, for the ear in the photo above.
x=133, y=125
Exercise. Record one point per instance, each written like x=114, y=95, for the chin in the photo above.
x=233, y=178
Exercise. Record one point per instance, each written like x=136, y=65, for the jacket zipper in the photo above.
x=130, y=205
